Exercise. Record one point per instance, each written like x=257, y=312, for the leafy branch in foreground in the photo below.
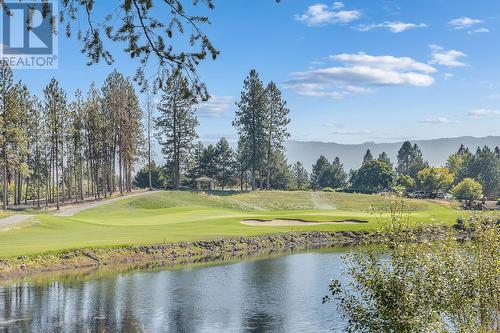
x=420, y=286
x=151, y=31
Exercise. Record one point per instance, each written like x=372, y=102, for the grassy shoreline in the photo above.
x=191, y=252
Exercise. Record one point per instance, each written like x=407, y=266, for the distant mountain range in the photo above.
x=435, y=151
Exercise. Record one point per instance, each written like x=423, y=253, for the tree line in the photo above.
x=53, y=150
x=259, y=161
x=466, y=175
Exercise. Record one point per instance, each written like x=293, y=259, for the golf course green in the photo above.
x=168, y=216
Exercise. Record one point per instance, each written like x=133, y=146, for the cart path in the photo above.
x=14, y=219
x=72, y=210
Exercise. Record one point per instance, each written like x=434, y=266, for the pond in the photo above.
x=264, y=294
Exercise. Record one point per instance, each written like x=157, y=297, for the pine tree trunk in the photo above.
x=57, y=180
x=5, y=198
x=113, y=167
x=47, y=182
x=38, y=185
x=268, y=167
x=176, y=152
x=26, y=192
x=241, y=181
x=62, y=173
x=120, y=166
x=14, y=177
x=149, y=145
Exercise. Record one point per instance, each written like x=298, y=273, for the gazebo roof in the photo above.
x=204, y=179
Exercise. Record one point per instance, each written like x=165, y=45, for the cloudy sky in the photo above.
x=351, y=71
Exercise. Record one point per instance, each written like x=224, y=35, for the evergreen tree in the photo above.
x=250, y=122
x=338, y=176
x=53, y=150
x=241, y=166
x=11, y=137
x=208, y=162
x=368, y=156
x=383, y=157
x=142, y=177
x=301, y=176
x=176, y=124
x=23, y=102
x=457, y=163
x=131, y=139
x=282, y=177
x=77, y=143
x=94, y=124
x=484, y=166
x=373, y=176
x=276, y=123
x=226, y=164
x=318, y=169
x=37, y=139
x=328, y=175
x=55, y=118
x=410, y=160
x=463, y=150
x=194, y=167
x=115, y=101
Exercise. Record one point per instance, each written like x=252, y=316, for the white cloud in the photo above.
x=447, y=76
x=389, y=63
x=464, y=22
x=447, y=58
x=395, y=27
x=359, y=74
x=483, y=113
x=478, y=31
x=216, y=106
x=321, y=14
x=435, y=47
x=338, y=5
x=438, y=120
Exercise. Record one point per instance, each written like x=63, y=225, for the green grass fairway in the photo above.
x=186, y=216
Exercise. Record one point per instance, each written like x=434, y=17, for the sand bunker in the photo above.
x=285, y=222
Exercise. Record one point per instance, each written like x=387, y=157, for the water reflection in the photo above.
x=280, y=294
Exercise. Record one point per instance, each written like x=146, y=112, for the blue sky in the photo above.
x=351, y=71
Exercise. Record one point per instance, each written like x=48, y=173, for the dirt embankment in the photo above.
x=189, y=252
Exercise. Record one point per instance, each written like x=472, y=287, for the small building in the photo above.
x=204, y=180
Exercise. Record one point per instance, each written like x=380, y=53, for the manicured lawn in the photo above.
x=185, y=216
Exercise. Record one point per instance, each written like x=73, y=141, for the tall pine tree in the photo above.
x=276, y=123
x=176, y=124
x=250, y=123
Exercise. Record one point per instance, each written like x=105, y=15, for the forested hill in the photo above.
x=436, y=151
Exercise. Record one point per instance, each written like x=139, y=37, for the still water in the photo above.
x=266, y=294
